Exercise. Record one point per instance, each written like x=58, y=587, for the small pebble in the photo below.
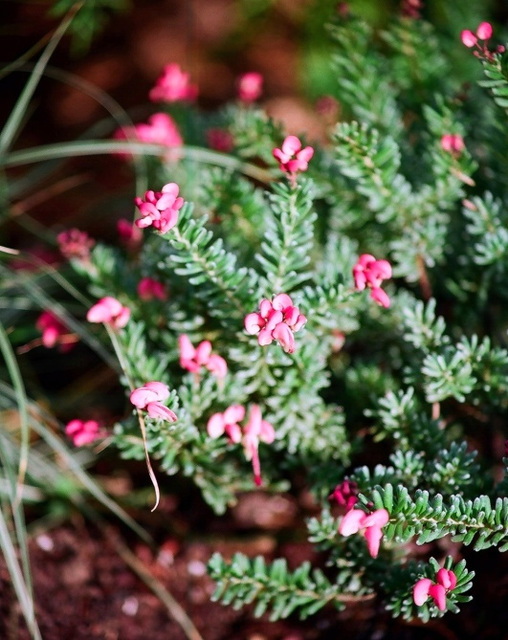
x=130, y=606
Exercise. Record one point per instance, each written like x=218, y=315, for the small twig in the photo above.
x=423, y=278
x=175, y=609
x=66, y=184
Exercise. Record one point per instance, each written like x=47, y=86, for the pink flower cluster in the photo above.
x=345, y=494
x=370, y=525
x=83, y=431
x=424, y=589
x=276, y=320
x=193, y=359
x=483, y=34
x=53, y=330
x=74, y=243
x=160, y=129
x=150, y=397
x=369, y=272
x=250, y=86
x=150, y=289
x=173, y=85
x=250, y=435
x=292, y=158
x=160, y=208
x=110, y=311
x=452, y=143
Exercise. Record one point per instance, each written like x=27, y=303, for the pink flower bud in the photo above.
x=421, y=591
x=82, y=432
x=468, y=38
x=250, y=86
x=438, y=593
x=484, y=31
x=149, y=288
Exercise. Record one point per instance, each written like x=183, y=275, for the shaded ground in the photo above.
x=88, y=585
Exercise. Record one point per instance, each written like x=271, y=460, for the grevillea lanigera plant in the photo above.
x=305, y=308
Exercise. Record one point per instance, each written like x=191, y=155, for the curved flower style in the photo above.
x=150, y=397
x=110, y=311
x=255, y=431
x=292, y=158
x=160, y=208
x=370, y=525
x=83, y=431
x=276, y=320
x=173, y=85
x=193, y=359
x=250, y=86
x=446, y=581
x=369, y=272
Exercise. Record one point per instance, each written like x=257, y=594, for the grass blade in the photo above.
x=13, y=123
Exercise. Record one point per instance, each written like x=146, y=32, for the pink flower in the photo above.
x=160, y=208
x=370, y=525
x=250, y=86
x=74, y=243
x=83, y=431
x=276, y=320
x=255, y=431
x=452, y=143
x=193, y=359
x=149, y=288
x=129, y=233
x=110, y=311
x=345, y=494
x=173, y=85
x=160, y=129
x=483, y=33
x=369, y=272
x=292, y=158
x=150, y=397
x=446, y=581
x=411, y=9
x=52, y=329
x=227, y=423
x=219, y=140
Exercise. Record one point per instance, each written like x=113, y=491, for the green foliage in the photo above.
x=91, y=19
x=272, y=587
x=408, y=389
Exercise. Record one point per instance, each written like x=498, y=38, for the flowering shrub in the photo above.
x=413, y=173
